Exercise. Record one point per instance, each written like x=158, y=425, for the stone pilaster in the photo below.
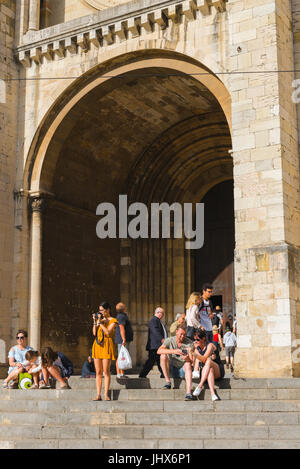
x=35, y=306
x=266, y=180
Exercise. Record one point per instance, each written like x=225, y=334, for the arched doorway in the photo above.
x=155, y=134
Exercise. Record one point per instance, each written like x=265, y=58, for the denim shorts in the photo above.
x=176, y=372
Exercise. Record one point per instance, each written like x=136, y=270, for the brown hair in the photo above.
x=31, y=354
x=48, y=356
x=21, y=331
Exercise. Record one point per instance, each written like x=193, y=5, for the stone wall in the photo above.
x=8, y=139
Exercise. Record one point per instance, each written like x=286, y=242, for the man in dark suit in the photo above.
x=156, y=336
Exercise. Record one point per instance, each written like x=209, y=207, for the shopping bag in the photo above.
x=124, y=359
x=25, y=381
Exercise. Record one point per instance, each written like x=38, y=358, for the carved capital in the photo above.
x=38, y=204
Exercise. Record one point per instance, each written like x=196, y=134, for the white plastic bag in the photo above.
x=124, y=359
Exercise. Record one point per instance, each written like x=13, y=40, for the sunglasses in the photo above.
x=21, y=337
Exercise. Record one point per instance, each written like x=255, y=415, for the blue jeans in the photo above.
x=209, y=337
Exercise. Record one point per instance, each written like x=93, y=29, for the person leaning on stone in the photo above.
x=17, y=360
x=176, y=360
x=179, y=321
x=124, y=333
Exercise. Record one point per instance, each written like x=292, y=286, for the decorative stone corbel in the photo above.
x=59, y=48
x=24, y=58
x=203, y=6
x=71, y=45
x=147, y=21
x=121, y=31
x=133, y=27
x=108, y=35
x=36, y=55
x=47, y=51
x=94, y=38
x=189, y=9
x=219, y=5
x=82, y=42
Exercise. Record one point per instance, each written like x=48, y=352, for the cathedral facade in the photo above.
x=175, y=101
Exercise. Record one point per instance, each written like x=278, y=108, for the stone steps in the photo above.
x=149, y=418
x=251, y=414
x=153, y=394
x=155, y=382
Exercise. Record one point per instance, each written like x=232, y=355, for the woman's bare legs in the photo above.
x=13, y=375
x=210, y=372
x=106, y=370
x=99, y=371
x=55, y=373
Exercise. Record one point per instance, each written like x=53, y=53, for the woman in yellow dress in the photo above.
x=103, y=351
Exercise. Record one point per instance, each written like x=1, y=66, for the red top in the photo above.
x=216, y=338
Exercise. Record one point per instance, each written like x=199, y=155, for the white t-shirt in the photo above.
x=204, y=319
x=229, y=339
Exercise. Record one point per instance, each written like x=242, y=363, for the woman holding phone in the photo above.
x=103, y=351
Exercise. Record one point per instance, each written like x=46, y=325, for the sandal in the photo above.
x=66, y=386
x=44, y=386
x=5, y=385
x=97, y=399
x=107, y=398
x=34, y=386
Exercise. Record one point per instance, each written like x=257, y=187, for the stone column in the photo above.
x=34, y=15
x=37, y=206
x=266, y=184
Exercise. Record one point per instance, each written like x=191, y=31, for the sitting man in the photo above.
x=179, y=321
x=176, y=358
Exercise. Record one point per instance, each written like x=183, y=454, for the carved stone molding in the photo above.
x=49, y=43
x=102, y=4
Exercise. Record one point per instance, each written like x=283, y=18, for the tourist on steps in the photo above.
x=57, y=366
x=212, y=366
x=16, y=360
x=103, y=351
x=176, y=360
x=156, y=336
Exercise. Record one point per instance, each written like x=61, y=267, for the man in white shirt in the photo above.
x=206, y=311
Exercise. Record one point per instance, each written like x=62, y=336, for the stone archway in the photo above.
x=157, y=134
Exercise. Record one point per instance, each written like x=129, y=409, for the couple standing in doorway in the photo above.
x=199, y=313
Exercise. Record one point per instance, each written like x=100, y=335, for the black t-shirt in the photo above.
x=122, y=319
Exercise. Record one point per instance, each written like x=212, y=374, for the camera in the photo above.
x=98, y=316
x=184, y=351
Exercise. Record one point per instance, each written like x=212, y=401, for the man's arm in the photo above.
x=122, y=332
x=164, y=350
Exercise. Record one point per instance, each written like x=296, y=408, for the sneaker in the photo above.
x=167, y=386
x=214, y=397
x=188, y=397
x=196, y=374
x=197, y=391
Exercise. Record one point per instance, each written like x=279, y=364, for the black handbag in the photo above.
x=97, y=340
